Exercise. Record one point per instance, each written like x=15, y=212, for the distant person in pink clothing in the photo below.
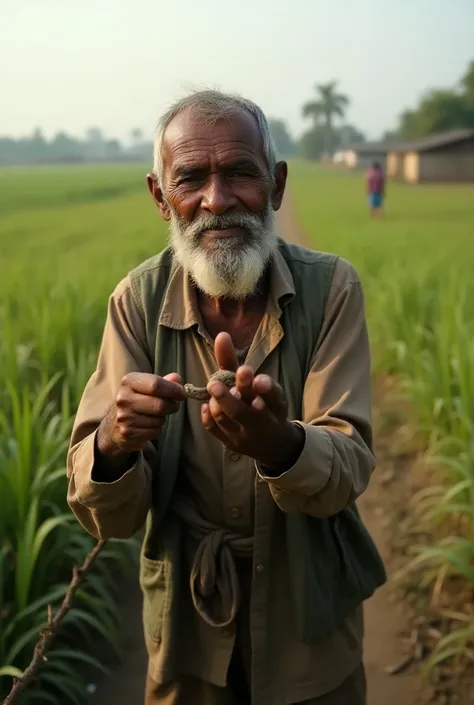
x=375, y=189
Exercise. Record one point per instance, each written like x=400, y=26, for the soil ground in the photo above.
x=386, y=624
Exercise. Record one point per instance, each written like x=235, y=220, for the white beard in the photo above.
x=230, y=267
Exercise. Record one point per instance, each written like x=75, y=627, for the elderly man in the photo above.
x=255, y=562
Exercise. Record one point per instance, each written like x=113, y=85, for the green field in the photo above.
x=416, y=267
x=58, y=223
x=67, y=235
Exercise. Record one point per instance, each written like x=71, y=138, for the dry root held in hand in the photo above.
x=201, y=393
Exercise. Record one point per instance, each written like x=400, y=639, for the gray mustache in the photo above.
x=221, y=222
x=227, y=220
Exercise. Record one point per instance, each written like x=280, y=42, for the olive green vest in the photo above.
x=333, y=562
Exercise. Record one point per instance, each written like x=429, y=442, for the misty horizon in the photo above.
x=68, y=67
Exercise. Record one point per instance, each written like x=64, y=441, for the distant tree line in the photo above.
x=96, y=147
x=439, y=110
x=323, y=137
x=63, y=148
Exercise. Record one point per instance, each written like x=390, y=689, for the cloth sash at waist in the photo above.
x=214, y=582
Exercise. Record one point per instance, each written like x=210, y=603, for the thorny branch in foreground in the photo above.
x=49, y=631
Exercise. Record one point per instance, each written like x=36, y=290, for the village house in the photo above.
x=444, y=157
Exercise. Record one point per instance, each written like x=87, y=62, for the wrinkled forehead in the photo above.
x=190, y=137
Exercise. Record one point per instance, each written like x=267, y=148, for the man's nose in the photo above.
x=218, y=196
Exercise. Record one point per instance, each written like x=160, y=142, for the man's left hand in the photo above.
x=252, y=418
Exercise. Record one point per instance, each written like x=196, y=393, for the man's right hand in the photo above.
x=140, y=409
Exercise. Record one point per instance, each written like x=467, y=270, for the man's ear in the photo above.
x=281, y=175
x=158, y=196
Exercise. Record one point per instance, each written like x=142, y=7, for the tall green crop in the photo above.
x=67, y=236
x=416, y=266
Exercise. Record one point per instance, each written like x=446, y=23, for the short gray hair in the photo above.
x=210, y=106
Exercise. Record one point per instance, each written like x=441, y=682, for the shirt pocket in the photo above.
x=155, y=588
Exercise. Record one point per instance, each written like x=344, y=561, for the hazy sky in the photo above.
x=76, y=63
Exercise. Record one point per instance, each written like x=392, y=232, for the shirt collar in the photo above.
x=180, y=309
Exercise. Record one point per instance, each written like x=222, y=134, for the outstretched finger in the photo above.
x=168, y=387
x=270, y=393
x=225, y=353
x=226, y=424
x=210, y=425
x=227, y=404
x=244, y=382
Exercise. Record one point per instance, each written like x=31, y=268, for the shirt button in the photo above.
x=235, y=512
x=227, y=633
x=260, y=568
x=235, y=456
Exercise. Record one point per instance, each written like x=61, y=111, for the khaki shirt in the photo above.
x=333, y=470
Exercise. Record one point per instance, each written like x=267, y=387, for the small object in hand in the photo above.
x=201, y=393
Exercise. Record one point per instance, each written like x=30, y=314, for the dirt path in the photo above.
x=384, y=620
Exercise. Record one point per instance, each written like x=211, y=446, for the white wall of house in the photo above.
x=411, y=167
x=350, y=158
x=394, y=164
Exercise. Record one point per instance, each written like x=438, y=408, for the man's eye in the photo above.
x=192, y=178
x=241, y=173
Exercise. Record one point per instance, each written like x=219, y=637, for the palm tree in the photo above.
x=328, y=105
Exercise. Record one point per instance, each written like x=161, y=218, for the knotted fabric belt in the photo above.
x=214, y=582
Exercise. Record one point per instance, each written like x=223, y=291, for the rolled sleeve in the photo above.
x=104, y=495
x=108, y=509
x=336, y=461
x=317, y=452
